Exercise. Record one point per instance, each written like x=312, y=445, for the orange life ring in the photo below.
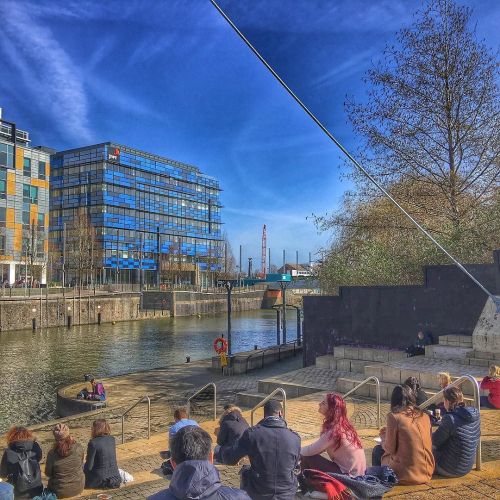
x=220, y=345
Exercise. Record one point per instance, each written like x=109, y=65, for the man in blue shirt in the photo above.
x=181, y=420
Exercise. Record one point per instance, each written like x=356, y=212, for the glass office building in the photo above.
x=154, y=220
x=24, y=207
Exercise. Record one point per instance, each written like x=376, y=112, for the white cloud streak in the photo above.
x=50, y=77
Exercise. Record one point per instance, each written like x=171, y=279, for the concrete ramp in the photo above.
x=486, y=335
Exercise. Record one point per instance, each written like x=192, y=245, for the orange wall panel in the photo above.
x=18, y=237
x=19, y=158
x=9, y=218
x=40, y=183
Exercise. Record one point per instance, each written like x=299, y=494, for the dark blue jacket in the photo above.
x=274, y=452
x=194, y=479
x=101, y=469
x=456, y=439
x=232, y=426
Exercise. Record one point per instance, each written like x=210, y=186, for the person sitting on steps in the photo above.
x=338, y=438
x=181, y=420
x=418, y=348
x=406, y=441
x=101, y=468
x=273, y=450
x=194, y=473
x=231, y=428
x=420, y=395
x=64, y=465
x=20, y=463
x=456, y=439
x=491, y=383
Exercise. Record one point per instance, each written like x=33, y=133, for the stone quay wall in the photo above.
x=194, y=303
x=18, y=314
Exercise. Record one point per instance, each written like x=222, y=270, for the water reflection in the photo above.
x=33, y=365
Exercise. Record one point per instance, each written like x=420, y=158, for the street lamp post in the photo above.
x=229, y=285
x=69, y=317
x=98, y=314
x=33, y=321
x=283, y=294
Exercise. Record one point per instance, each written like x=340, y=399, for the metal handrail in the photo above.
x=199, y=391
x=266, y=399
x=130, y=409
x=361, y=384
x=475, y=387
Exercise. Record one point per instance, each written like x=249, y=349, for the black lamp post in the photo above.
x=229, y=284
x=283, y=316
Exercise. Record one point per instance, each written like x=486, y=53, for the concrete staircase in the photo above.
x=349, y=365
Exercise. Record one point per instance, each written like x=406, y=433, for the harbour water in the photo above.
x=34, y=364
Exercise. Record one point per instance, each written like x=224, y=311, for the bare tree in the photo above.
x=430, y=127
x=433, y=114
x=83, y=254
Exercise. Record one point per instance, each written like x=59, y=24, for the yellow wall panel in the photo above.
x=19, y=157
x=46, y=246
x=46, y=220
x=40, y=183
x=9, y=218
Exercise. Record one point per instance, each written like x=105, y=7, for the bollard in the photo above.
x=33, y=323
x=69, y=321
x=98, y=318
x=188, y=359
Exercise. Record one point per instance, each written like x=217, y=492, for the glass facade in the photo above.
x=149, y=213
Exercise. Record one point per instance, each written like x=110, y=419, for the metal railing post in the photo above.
x=361, y=384
x=188, y=405
x=130, y=409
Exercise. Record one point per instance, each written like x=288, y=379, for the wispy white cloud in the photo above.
x=52, y=80
x=355, y=63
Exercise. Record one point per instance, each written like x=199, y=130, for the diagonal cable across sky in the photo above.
x=360, y=167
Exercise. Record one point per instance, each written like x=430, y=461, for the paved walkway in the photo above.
x=141, y=458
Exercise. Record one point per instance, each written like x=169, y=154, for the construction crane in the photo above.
x=263, y=257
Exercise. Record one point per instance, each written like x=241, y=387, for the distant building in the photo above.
x=296, y=271
x=151, y=219
x=24, y=207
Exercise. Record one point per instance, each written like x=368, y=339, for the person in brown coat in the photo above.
x=64, y=466
x=406, y=441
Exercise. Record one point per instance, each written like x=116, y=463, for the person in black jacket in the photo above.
x=20, y=463
x=456, y=439
x=231, y=428
x=274, y=452
x=101, y=469
x=194, y=474
x=420, y=395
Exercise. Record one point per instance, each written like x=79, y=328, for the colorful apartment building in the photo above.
x=24, y=207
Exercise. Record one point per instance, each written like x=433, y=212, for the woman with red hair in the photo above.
x=21, y=463
x=338, y=438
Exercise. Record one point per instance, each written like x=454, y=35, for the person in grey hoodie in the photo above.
x=455, y=441
x=195, y=477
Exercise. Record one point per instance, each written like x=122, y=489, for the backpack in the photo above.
x=99, y=390
x=28, y=475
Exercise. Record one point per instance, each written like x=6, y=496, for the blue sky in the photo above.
x=172, y=78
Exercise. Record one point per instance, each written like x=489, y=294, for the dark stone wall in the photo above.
x=448, y=303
